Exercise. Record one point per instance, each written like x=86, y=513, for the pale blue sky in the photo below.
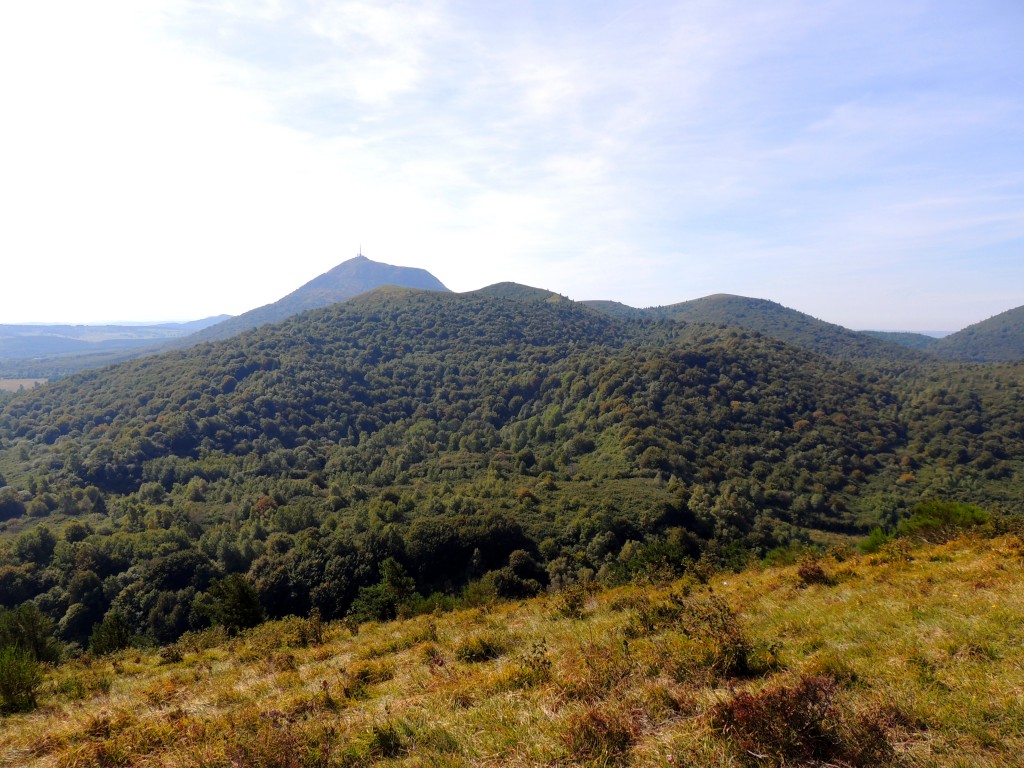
x=861, y=161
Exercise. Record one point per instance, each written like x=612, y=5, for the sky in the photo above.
x=858, y=160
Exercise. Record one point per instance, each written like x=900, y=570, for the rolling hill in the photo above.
x=507, y=438
x=998, y=339
x=771, y=319
x=518, y=292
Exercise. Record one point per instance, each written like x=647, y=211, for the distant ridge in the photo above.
x=769, y=318
x=908, y=339
x=996, y=340
x=345, y=281
x=26, y=341
x=614, y=308
x=518, y=292
x=46, y=351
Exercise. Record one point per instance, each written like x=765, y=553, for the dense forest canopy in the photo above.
x=360, y=457
x=772, y=319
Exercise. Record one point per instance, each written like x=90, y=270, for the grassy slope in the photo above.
x=925, y=645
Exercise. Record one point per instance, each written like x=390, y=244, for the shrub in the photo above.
x=28, y=628
x=810, y=571
x=20, y=678
x=800, y=724
x=571, y=602
x=10, y=504
x=718, y=644
x=376, y=603
x=385, y=600
x=71, y=688
x=937, y=521
x=507, y=584
x=709, y=621
x=297, y=632
x=111, y=634
x=876, y=539
x=534, y=668
x=785, y=555
x=896, y=551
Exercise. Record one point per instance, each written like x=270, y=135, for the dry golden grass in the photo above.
x=909, y=657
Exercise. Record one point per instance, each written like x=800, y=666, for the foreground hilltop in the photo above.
x=911, y=657
x=510, y=440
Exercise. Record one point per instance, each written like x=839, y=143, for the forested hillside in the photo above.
x=410, y=443
x=998, y=339
x=918, y=341
x=772, y=319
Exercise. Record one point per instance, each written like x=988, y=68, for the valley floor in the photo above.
x=911, y=657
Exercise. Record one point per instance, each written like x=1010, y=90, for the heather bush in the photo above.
x=810, y=571
x=602, y=734
x=800, y=724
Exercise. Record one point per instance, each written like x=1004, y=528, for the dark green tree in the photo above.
x=111, y=634
x=35, y=545
x=28, y=628
x=10, y=503
x=231, y=602
x=20, y=678
x=382, y=601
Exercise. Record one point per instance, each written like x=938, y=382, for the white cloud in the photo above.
x=224, y=152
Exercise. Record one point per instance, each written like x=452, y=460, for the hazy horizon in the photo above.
x=931, y=332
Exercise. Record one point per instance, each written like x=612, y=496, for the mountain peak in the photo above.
x=345, y=281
